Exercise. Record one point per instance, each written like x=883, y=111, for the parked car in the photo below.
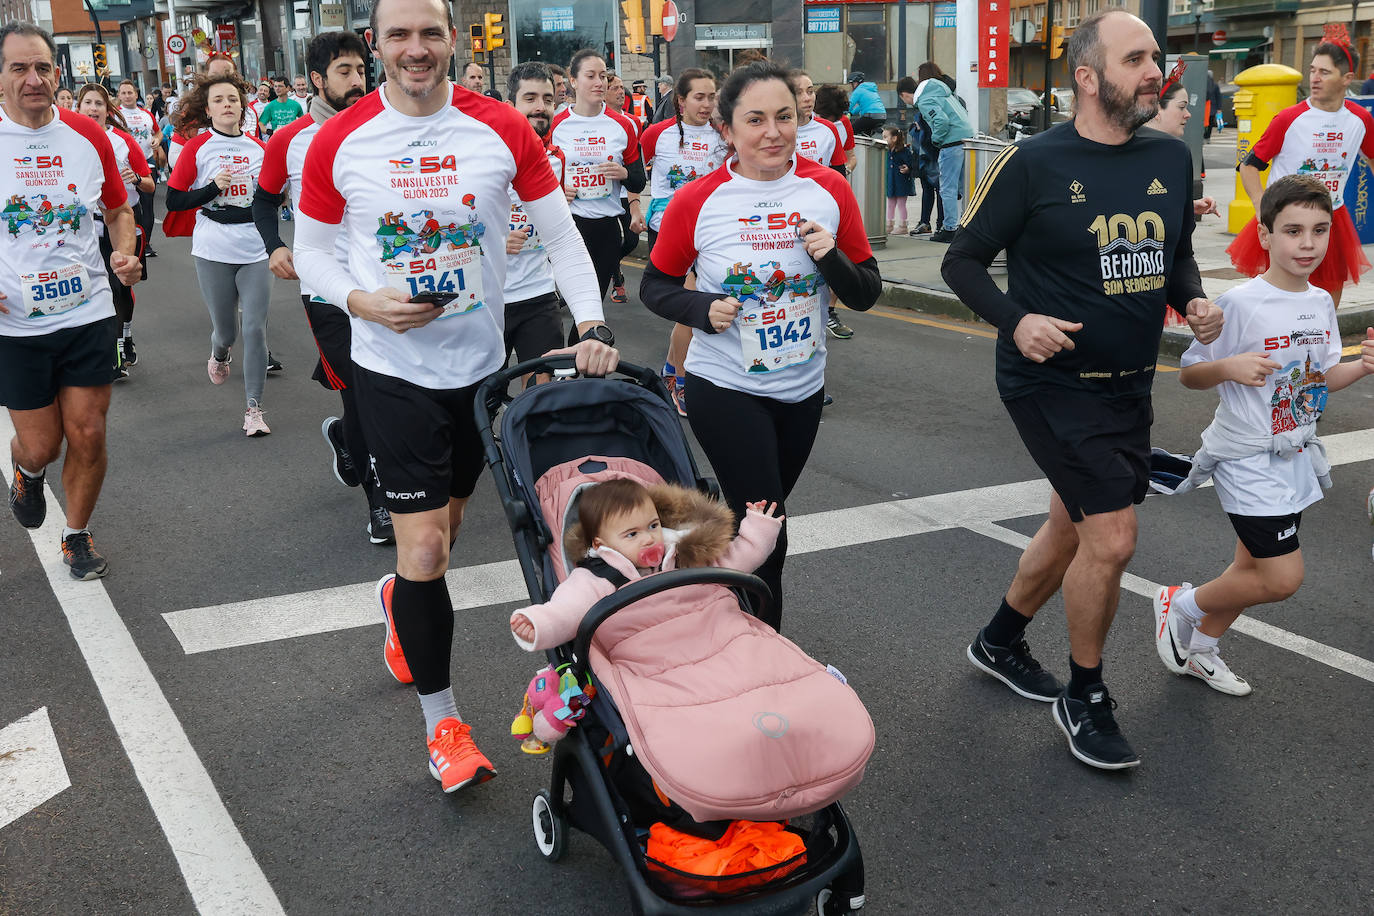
x=1025, y=105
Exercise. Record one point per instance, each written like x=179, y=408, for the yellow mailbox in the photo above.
x=1264, y=92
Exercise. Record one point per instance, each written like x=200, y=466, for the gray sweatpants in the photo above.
x=228, y=289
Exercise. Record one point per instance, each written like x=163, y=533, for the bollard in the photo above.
x=1265, y=91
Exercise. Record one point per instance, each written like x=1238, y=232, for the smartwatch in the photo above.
x=601, y=333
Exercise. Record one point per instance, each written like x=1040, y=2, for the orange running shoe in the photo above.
x=395, y=658
x=454, y=759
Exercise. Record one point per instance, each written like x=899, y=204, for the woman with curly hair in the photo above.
x=215, y=176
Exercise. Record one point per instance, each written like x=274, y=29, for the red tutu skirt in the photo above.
x=1344, y=261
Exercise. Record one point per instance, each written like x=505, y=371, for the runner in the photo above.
x=602, y=153
x=631, y=207
x=279, y=112
x=1097, y=223
x=772, y=237
x=65, y=99
x=414, y=172
x=57, y=321
x=300, y=91
x=143, y=128
x=534, y=325
x=832, y=104
x=214, y=177
x=560, y=88
x=263, y=98
x=338, y=68
x=678, y=152
x=1321, y=136
x=93, y=100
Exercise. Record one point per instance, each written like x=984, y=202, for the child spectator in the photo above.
x=1276, y=359
x=901, y=167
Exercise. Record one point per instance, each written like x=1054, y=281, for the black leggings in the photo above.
x=123, y=295
x=602, y=237
x=764, y=466
x=630, y=240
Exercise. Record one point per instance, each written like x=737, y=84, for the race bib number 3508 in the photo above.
x=52, y=292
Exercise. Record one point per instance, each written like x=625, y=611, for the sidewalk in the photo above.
x=911, y=267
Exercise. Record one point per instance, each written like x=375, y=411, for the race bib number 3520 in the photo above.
x=588, y=182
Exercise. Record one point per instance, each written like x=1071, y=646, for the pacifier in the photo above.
x=651, y=555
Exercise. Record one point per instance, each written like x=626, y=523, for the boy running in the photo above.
x=1276, y=359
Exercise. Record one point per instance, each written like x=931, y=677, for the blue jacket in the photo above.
x=943, y=113
x=899, y=185
x=864, y=100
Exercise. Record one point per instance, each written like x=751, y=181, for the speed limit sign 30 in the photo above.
x=176, y=44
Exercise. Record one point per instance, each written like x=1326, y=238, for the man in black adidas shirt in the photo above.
x=1097, y=223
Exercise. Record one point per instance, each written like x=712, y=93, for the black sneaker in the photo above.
x=1094, y=737
x=1016, y=668
x=273, y=364
x=827, y=401
x=379, y=529
x=942, y=235
x=837, y=327
x=127, y=351
x=27, y=501
x=342, y=463
x=78, y=552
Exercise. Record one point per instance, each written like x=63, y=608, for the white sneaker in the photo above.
x=1208, y=667
x=253, y=423
x=1173, y=651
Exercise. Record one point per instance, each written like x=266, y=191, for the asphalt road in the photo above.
x=971, y=803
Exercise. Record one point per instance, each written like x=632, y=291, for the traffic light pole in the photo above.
x=99, y=38
x=1049, y=49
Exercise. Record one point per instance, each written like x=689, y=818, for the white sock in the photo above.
x=1185, y=603
x=128, y=329
x=68, y=532
x=1201, y=642
x=28, y=473
x=438, y=707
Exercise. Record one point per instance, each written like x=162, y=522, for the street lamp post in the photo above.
x=1197, y=26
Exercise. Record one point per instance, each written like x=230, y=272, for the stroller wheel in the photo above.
x=827, y=904
x=550, y=827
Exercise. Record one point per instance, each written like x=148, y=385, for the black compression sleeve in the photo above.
x=667, y=297
x=1254, y=162
x=856, y=285
x=265, y=207
x=635, y=181
x=844, y=172
x=965, y=269
x=190, y=200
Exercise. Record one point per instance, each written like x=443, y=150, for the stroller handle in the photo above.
x=652, y=585
x=490, y=391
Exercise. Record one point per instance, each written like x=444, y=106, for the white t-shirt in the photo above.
x=142, y=127
x=1303, y=140
x=740, y=236
x=677, y=159
x=204, y=156
x=425, y=202
x=1299, y=331
x=127, y=156
x=528, y=273
x=282, y=165
x=51, y=181
x=586, y=143
x=819, y=141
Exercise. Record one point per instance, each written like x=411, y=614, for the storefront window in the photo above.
x=553, y=30
x=867, y=29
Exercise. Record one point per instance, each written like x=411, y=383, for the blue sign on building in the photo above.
x=556, y=18
x=945, y=15
x=823, y=19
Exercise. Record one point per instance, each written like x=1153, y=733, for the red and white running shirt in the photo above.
x=205, y=156
x=819, y=141
x=528, y=272
x=1304, y=140
x=142, y=127
x=128, y=155
x=282, y=166
x=51, y=181
x=425, y=202
x=586, y=143
x=740, y=236
x=676, y=159
x=845, y=128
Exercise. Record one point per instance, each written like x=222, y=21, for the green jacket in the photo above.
x=943, y=112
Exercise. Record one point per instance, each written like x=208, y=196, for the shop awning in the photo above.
x=1239, y=45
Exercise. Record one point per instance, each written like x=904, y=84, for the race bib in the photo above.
x=780, y=334
x=240, y=190
x=588, y=183
x=52, y=292
x=456, y=273
x=519, y=219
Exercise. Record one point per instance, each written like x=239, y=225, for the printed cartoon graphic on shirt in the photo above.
x=37, y=214
x=1130, y=250
x=1329, y=161
x=45, y=217
x=441, y=260
x=677, y=177
x=1299, y=387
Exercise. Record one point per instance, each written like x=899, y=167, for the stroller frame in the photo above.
x=834, y=881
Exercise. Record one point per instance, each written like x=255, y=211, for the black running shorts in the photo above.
x=32, y=369
x=1095, y=451
x=334, y=340
x=424, y=443
x=1267, y=536
x=534, y=326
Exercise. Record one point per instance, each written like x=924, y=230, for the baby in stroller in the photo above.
x=626, y=530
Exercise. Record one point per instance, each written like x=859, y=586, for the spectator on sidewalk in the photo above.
x=949, y=127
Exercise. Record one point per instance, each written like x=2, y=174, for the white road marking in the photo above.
x=31, y=767
x=219, y=868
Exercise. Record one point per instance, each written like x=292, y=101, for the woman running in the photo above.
x=678, y=152
x=93, y=100
x=602, y=153
x=216, y=172
x=773, y=237
x=631, y=207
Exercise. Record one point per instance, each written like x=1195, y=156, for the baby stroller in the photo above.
x=598, y=784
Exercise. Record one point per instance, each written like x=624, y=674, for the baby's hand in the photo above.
x=764, y=507
x=521, y=626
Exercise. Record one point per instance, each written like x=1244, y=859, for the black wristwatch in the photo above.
x=600, y=333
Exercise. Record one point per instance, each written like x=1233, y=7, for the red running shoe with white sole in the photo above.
x=454, y=759
x=395, y=658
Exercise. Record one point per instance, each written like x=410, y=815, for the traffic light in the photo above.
x=656, y=16
x=634, y=25
x=1056, y=41
x=479, y=44
x=494, y=31
x=102, y=63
